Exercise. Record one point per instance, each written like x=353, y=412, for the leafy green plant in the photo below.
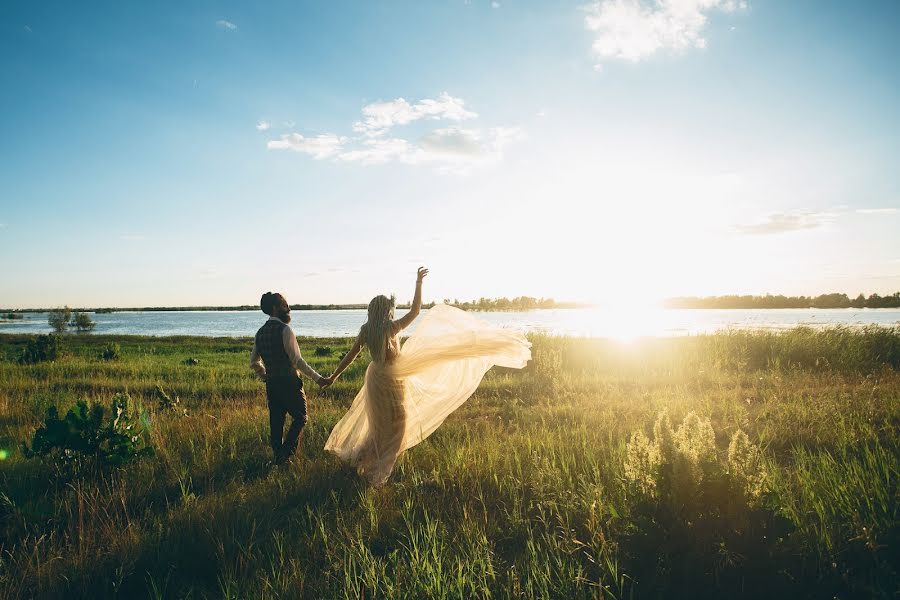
x=82, y=322
x=191, y=361
x=112, y=351
x=58, y=319
x=43, y=348
x=90, y=436
x=323, y=351
x=167, y=403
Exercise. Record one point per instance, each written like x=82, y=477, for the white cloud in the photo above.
x=2, y=225
x=263, y=125
x=319, y=147
x=495, y=4
x=787, y=221
x=465, y=147
x=453, y=142
x=226, y=25
x=27, y=29
x=450, y=148
x=377, y=151
x=877, y=211
x=380, y=117
x=633, y=30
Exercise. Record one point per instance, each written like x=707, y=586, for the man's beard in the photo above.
x=285, y=317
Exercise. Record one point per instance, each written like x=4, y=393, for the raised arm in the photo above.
x=407, y=319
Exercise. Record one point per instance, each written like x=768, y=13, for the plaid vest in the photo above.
x=270, y=345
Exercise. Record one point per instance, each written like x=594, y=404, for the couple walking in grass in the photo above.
x=408, y=391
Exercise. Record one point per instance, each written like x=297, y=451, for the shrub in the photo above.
x=82, y=322
x=41, y=349
x=58, y=319
x=167, y=403
x=112, y=351
x=191, y=361
x=324, y=351
x=681, y=466
x=745, y=466
x=89, y=437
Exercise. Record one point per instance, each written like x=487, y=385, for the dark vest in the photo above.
x=270, y=345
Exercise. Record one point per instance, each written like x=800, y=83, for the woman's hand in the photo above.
x=324, y=382
x=420, y=274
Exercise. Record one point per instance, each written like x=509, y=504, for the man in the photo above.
x=276, y=359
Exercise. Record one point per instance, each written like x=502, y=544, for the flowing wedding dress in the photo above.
x=408, y=395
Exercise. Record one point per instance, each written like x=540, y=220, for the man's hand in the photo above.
x=324, y=382
x=420, y=274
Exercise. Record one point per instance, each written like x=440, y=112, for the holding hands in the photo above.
x=325, y=382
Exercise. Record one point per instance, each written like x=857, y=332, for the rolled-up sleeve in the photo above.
x=256, y=362
x=293, y=351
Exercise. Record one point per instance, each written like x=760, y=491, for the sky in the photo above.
x=201, y=153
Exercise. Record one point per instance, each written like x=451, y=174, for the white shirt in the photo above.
x=291, y=348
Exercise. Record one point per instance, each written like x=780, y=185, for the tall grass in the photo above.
x=526, y=491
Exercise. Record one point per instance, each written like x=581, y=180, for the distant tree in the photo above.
x=859, y=302
x=58, y=319
x=82, y=322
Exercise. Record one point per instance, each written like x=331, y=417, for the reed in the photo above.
x=529, y=490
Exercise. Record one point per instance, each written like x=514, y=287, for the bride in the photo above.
x=409, y=391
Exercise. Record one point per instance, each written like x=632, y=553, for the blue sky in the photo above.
x=204, y=152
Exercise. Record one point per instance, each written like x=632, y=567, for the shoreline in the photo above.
x=136, y=337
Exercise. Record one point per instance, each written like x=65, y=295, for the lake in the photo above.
x=591, y=322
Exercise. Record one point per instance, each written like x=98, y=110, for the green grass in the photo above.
x=521, y=493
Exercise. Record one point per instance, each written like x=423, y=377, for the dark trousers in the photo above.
x=285, y=395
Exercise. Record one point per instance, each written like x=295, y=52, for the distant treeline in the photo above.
x=520, y=303
x=485, y=304
x=779, y=301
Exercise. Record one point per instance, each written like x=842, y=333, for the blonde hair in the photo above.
x=378, y=328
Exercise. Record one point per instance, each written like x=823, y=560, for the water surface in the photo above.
x=592, y=322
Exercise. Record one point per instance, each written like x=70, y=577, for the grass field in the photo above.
x=560, y=480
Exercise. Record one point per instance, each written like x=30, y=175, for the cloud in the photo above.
x=877, y=211
x=2, y=225
x=319, y=147
x=376, y=151
x=380, y=117
x=633, y=30
x=226, y=25
x=27, y=29
x=132, y=237
x=452, y=148
x=785, y=222
x=495, y=4
x=263, y=125
x=452, y=142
